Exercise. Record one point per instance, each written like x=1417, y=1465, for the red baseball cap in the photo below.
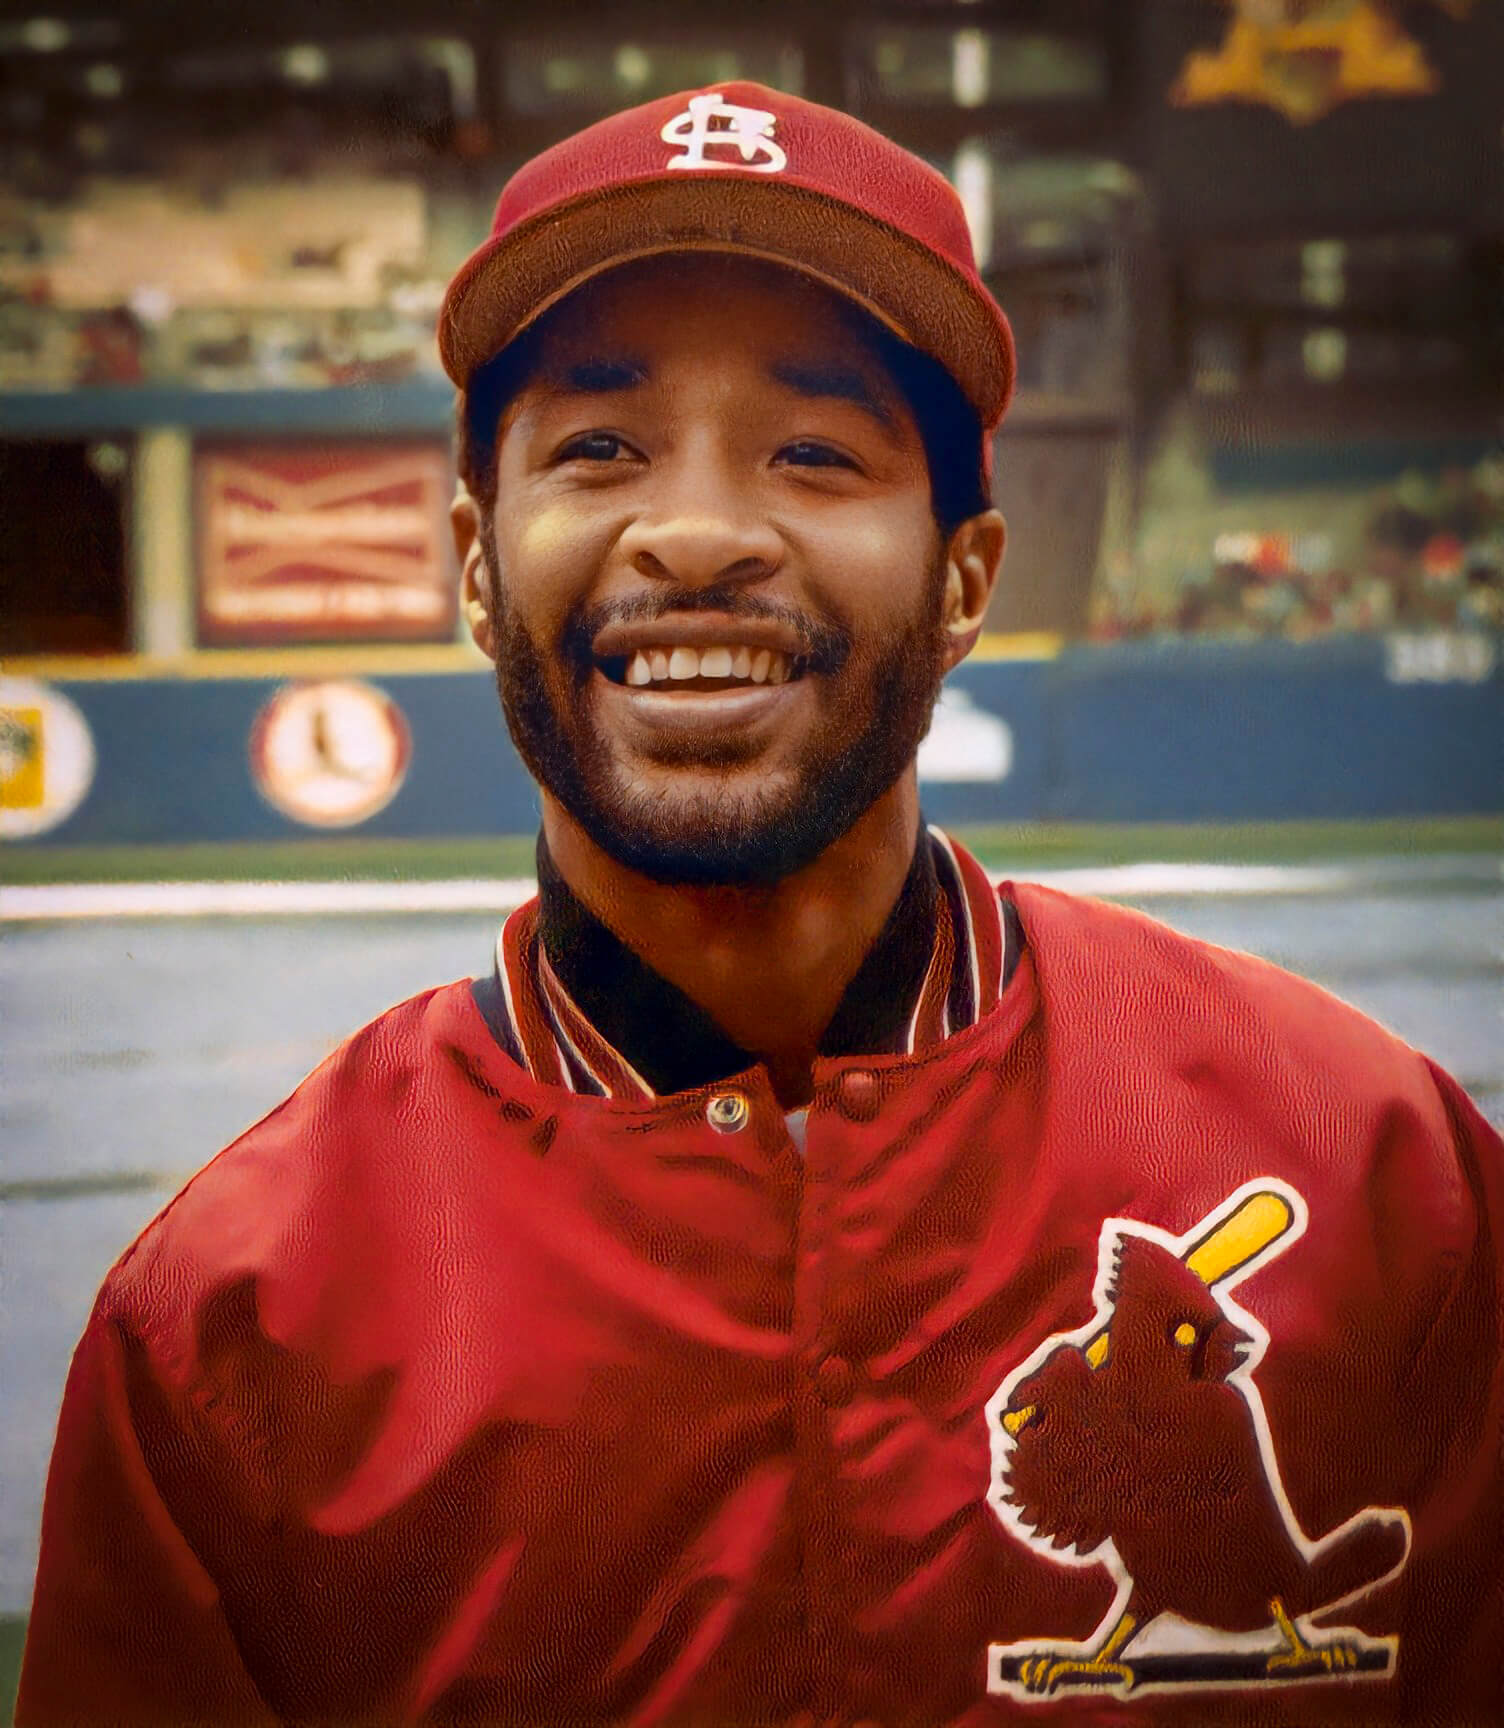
x=738, y=169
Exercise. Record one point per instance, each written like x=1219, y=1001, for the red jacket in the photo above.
x=447, y=1394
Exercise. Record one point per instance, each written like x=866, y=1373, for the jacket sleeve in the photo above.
x=1451, y=1670
x=126, y=1625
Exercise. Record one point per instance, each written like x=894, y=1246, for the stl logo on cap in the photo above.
x=712, y=123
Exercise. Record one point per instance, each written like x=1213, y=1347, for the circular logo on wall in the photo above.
x=330, y=754
x=46, y=758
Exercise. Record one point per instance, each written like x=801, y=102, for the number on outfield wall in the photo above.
x=1439, y=657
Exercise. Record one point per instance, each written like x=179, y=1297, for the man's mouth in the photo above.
x=716, y=666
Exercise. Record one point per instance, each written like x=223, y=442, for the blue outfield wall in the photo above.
x=174, y=763
x=1178, y=731
x=1203, y=731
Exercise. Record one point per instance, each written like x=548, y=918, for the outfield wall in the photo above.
x=1187, y=730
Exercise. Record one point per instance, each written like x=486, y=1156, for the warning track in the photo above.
x=41, y=902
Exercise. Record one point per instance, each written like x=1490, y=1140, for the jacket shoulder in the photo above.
x=345, y=1145
x=1129, y=964
x=1223, y=1048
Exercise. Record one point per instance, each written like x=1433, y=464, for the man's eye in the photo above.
x=594, y=447
x=810, y=453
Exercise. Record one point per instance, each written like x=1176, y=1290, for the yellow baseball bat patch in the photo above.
x=1261, y=1219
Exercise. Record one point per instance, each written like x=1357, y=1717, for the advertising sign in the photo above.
x=46, y=758
x=1306, y=57
x=324, y=542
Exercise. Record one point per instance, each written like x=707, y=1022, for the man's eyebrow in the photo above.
x=597, y=376
x=840, y=383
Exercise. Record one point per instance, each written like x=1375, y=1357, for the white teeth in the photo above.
x=678, y=665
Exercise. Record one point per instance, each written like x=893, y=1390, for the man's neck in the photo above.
x=769, y=964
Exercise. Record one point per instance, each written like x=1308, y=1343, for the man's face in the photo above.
x=716, y=578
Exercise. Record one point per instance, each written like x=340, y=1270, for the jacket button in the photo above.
x=727, y=1112
x=834, y=1380
x=859, y=1094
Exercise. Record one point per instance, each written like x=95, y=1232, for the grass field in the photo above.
x=1014, y=846
x=12, y=1637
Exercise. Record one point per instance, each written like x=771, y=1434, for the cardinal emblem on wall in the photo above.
x=1139, y=1443
x=1305, y=57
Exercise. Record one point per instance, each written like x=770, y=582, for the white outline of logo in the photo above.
x=1192, y=1638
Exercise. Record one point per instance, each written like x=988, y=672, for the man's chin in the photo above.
x=704, y=837
x=752, y=805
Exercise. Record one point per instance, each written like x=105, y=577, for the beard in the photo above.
x=881, y=695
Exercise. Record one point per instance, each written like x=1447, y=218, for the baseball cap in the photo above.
x=739, y=168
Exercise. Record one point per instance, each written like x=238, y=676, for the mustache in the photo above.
x=826, y=646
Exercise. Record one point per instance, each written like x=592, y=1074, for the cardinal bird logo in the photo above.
x=1139, y=1443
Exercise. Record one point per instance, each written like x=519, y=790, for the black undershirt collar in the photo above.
x=672, y=1042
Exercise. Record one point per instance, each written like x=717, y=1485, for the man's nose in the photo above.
x=703, y=527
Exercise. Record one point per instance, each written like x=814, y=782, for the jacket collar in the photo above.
x=576, y=1007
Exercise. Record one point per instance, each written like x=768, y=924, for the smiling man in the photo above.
x=796, y=1284
x=741, y=594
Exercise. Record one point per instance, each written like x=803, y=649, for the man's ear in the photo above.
x=475, y=579
x=973, y=557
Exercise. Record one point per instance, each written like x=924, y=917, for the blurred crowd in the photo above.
x=1430, y=557
x=145, y=341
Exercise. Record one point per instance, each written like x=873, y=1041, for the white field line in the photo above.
x=43, y=902
x=32, y=903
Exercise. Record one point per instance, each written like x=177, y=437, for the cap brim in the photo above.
x=513, y=280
